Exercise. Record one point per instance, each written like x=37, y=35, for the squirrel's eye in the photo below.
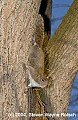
x=42, y=80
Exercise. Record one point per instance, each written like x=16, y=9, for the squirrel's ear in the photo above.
x=33, y=40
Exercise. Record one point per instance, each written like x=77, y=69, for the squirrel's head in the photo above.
x=43, y=81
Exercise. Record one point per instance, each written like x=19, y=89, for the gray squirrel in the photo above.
x=35, y=67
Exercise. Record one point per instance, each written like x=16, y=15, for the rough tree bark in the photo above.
x=17, y=26
x=63, y=62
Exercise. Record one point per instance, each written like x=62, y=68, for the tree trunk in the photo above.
x=63, y=63
x=17, y=26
